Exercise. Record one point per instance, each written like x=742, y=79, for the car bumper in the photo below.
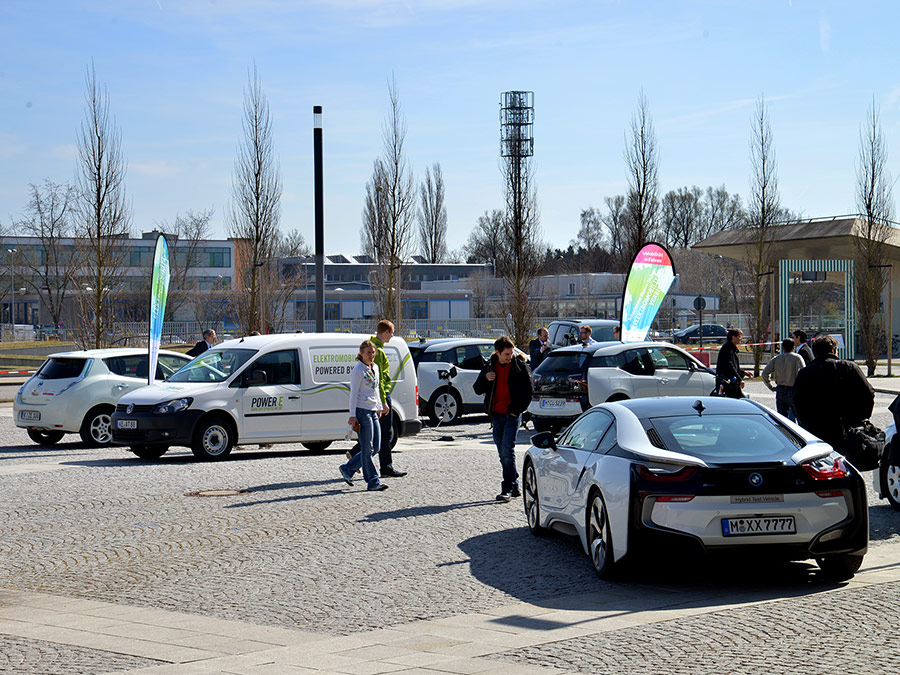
x=152, y=429
x=556, y=407
x=410, y=427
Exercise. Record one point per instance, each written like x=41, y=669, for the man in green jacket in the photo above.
x=384, y=331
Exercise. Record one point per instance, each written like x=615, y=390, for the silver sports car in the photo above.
x=706, y=474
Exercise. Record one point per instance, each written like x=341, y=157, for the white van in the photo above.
x=256, y=390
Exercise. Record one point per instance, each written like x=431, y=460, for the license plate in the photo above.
x=126, y=424
x=30, y=415
x=553, y=403
x=742, y=527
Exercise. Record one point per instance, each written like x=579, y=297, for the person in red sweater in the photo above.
x=505, y=382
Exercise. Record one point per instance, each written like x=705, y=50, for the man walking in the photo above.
x=384, y=331
x=728, y=367
x=538, y=348
x=209, y=340
x=830, y=394
x=505, y=382
x=801, y=346
x=784, y=368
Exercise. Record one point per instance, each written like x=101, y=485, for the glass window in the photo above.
x=129, y=366
x=609, y=440
x=279, y=367
x=638, y=362
x=61, y=369
x=602, y=333
x=215, y=365
x=719, y=438
x=563, y=363
x=469, y=358
x=168, y=365
x=486, y=351
x=417, y=309
x=666, y=357
x=611, y=361
x=586, y=432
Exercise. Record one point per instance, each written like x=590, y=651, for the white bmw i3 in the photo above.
x=706, y=475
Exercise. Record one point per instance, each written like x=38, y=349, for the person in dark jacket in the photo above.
x=209, y=339
x=505, y=382
x=729, y=375
x=538, y=348
x=802, y=347
x=830, y=394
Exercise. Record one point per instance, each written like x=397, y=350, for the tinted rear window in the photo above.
x=61, y=369
x=566, y=362
x=722, y=438
x=602, y=333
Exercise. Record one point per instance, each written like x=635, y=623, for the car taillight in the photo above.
x=675, y=498
x=823, y=469
x=825, y=494
x=658, y=476
x=417, y=394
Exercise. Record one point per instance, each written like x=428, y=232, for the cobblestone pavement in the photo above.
x=301, y=550
x=857, y=634
x=39, y=657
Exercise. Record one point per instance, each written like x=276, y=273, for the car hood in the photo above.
x=166, y=391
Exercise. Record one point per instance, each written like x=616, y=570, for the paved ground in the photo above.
x=108, y=564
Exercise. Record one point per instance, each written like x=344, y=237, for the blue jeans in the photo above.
x=784, y=401
x=369, y=442
x=505, y=428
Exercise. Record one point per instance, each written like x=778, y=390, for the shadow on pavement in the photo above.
x=553, y=571
x=414, y=511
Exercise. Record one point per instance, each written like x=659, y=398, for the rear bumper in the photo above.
x=410, y=427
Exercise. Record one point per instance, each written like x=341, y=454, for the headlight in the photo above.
x=175, y=406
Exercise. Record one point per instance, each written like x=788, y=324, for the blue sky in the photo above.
x=176, y=71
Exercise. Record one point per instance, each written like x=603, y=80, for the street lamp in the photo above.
x=12, y=291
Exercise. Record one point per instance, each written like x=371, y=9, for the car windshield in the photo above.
x=215, y=365
x=61, y=369
x=562, y=362
x=724, y=438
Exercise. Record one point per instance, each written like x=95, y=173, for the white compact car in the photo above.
x=666, y=477
x=572, y=379
x=886, y=479
x=447, y=370
x=76, y=392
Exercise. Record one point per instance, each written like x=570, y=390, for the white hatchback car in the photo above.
x=76, y=392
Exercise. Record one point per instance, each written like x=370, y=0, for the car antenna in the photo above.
x=699, y=407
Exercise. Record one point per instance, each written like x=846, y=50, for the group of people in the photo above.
x=822, y=393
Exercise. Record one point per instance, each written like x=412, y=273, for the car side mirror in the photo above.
x=544, y=440
x=257, y=378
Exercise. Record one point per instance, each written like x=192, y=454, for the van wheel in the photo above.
x=213, y=439
x=889, y=475
x=45, y=438
x=149, y=451
x=445, y=407
x=395, y=430
x=316, y=446
x=96, y=429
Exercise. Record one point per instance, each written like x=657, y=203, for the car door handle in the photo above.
x=121, y=386
x=664, y=380
x=291, y=398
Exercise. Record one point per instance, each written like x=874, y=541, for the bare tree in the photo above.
x=433, y=216
x=616, y=221
x=721, y=211
x=50, y=267
x=682, y=215
x=642, y=165
x=387, y=231
x=184, y=238
x=876, y=203
x=485, y=240
x=256, y=188
x=763, y=210
x=103, y=213
x=281, y=281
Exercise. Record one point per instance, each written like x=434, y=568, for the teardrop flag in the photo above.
x=648, y=281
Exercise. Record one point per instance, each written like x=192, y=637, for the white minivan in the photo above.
x=264, y=389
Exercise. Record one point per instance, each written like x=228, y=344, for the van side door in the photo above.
x=271, y=412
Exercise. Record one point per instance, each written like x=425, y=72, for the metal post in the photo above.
x=12, y=292
x=890, y=314
x=320, y=223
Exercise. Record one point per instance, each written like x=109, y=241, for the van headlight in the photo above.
x=175, y=406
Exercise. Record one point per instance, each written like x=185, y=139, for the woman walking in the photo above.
x=365, y=407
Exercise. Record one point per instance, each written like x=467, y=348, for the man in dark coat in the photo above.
x=728, y=367
x=209, y=339
x=802, y=347
x=538, y=348
x=830, y=394
x=505, y=382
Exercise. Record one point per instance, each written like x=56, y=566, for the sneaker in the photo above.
x=504, y=497
x=377, y=488
x=346, y=475
x=515, y=492
x=391, y=472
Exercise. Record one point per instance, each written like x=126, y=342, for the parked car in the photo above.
x=572, y=379
x=564, y=332
x=667, y=477
x=76, y=392
x=712, y=332
x=887, y=479
x=447, y=370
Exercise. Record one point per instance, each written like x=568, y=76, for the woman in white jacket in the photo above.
x=365, y=407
